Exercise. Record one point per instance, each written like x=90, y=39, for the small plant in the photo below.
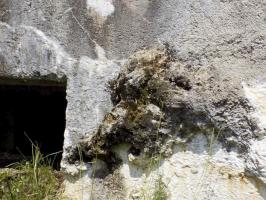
x=160, y=190
x=208, y=165
x=29, y=180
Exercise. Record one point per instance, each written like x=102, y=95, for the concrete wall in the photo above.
x=87, y=42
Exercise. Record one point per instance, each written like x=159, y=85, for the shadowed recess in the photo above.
x=32, y=108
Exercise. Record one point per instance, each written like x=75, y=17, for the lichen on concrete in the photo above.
x=157, y=103
x=160, y=105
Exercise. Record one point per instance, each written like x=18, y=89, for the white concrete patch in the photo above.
x=256, y=94
x=90, y=85
x=100, y=52
x=102, y=7
x=186, y=175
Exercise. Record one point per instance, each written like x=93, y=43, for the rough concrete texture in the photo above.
x=216, y=73
x=168, y=116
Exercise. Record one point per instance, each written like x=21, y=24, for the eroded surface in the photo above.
x=179, y=123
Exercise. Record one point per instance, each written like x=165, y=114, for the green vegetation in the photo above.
x=212, y=140
x=30, y=180
x=159, y=192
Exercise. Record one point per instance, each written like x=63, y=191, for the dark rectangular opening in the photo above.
x=36, y=109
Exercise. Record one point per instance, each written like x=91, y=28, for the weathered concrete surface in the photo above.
x=221, y=43
x=186, y=127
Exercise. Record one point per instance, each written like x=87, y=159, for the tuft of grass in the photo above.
x=160, y=190
x=30, y=180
